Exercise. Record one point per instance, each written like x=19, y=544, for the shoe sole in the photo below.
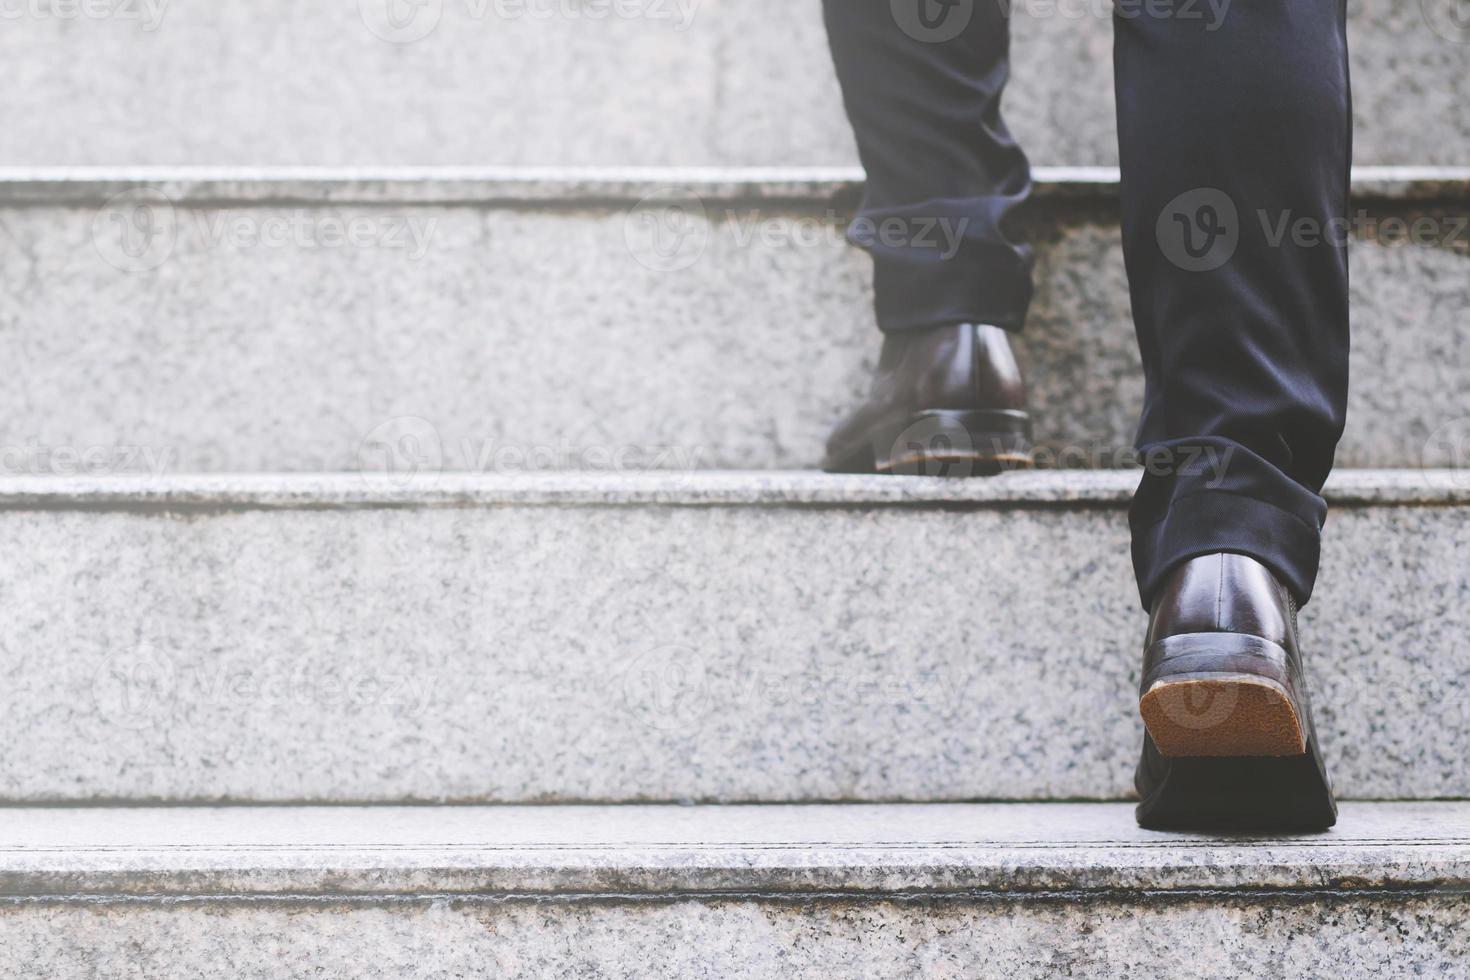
x=1254, y=794
x=942, y=443
x=1223, y=716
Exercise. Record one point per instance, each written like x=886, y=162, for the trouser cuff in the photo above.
x=1212, y=521
x=946, y=262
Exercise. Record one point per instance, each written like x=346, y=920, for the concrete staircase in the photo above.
x=414, y=569
x=663, y=638
x=767, y=892
x=310, y=321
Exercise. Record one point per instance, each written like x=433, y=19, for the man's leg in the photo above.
x=1232, y=129
x=1235, y=132
x=922, y=81
x=923, y=93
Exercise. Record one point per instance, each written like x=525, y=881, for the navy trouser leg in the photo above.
x=1235, y=135
x=1235, y=138
x=922, y=80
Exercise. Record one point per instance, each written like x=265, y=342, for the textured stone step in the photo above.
x=510, y=320
x=732, y=638
x=662, y=82
x=788, y=892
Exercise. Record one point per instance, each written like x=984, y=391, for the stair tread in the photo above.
x=1347, y=487
x=651, y=850
x=514, y=185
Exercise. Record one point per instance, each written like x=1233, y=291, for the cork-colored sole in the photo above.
x=954, y=465
x=1225, y=715
x=942, y=443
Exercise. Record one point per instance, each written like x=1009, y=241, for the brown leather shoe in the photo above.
x=946, y=402
x=1230, y=742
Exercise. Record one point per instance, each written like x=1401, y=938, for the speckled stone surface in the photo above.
x=235, y=492
x=1218, y=939
x=526, y=185
x=524, y=337
x=663, y=638
x=1040, y=891
x=660, y=851
x=683, y=81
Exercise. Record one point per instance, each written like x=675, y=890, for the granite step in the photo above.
x=781, y=892
x=663, y=638
x=658, y=82
x=514, y=320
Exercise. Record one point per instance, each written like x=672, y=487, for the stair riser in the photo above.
x=516, y=339
x=614, y=653
x=739, y=82
x=1387, y=935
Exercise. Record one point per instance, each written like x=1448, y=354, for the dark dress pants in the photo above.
x=1234, y=127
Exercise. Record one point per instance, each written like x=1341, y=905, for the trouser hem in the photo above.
x=1214, y=521
x=912, y=298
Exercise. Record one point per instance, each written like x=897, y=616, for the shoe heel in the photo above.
x=957, y=444
x=1264, y=795
x=1221, y=695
